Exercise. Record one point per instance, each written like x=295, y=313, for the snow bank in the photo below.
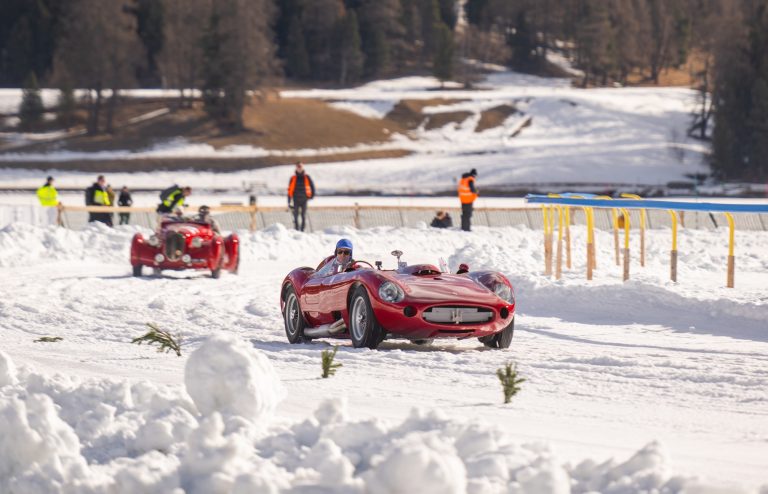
x=44, y=448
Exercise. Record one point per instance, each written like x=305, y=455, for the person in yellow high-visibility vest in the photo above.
x=49, y=199
x=96, y=195
x=467, y=195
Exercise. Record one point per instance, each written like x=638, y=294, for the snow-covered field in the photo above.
x=645, y=386
x=617, y=135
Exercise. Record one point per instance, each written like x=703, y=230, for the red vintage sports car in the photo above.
x=416, y=302
x=185, y=244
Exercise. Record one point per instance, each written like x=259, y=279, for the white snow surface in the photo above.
x=615, y=135
x=643, y=386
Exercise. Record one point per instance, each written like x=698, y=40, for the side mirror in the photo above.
x=378, y=265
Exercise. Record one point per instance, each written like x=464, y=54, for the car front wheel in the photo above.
x=364, y=329
x=293, y=318
x=502, y=339
x=137, y=270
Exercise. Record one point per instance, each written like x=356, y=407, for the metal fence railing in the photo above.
x=320, y=218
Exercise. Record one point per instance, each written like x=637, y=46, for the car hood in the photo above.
x=445, y=288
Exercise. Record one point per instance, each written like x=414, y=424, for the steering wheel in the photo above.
x=355, y=266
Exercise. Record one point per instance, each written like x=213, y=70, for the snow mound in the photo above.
x=229, y=376
x=7, y=370
x=145, y=439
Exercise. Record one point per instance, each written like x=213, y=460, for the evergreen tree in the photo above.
x=149, y=27
x=67, y=104
x=442, y=65
x=351, y=55
x=238, y=57
x=31, y=109
x=296, y=58
x=740, y=136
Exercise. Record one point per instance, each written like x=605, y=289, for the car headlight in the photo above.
x=153, y=241
x=391, y=292
x=196, y=242
x=504, y=292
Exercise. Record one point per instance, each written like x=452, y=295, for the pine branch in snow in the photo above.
x=509, y=381
x=166, y=341
x=48, y=339
x=329, y=368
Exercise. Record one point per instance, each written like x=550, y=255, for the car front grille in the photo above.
x=457, y=315
x=174, y=245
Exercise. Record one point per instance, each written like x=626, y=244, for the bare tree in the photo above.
x=99, y=50
x=181, y=58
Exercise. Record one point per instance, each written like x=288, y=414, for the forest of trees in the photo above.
x=226, y=47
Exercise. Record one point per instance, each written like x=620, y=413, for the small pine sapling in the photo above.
x=509, y=381
x=166, y=341
x=48, y=339
x=329, y=368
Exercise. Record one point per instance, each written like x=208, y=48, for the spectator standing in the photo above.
x=301, y=189
x=442, y=220
x=96, y=195
x=467, y=195
x=49, y=199
x=125, y=200
x=173, y=198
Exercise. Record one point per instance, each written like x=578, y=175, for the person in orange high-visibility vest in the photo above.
x=467, y=196
x=301, y=189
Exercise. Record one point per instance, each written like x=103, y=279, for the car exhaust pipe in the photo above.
x=326, y=329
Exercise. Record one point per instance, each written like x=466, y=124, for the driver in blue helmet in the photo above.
x=342, y=259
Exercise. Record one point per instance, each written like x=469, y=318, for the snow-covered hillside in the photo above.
x=613, y=136
x=645, y=386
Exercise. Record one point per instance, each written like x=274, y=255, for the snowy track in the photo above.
x=610, y=366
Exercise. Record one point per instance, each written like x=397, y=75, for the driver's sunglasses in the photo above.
x=344, y=252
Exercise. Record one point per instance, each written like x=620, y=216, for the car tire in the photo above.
x=364, y=330
x=293, y=318
x=423, y=342
x=137, y=270
x=216, y=273
x=502, y=339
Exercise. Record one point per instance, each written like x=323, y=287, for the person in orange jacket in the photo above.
x=301, y=189
x=467, y=195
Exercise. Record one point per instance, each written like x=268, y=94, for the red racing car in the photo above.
x=186, y=244
x=416, y=302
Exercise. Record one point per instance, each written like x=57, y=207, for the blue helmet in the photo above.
x=344, y=243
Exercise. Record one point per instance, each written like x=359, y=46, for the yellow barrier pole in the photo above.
x=559, y=261
x=626, y=243
x=731, y=258
x=568, y=237
x=591, y=260
x=673, y=253
x=552, y=209
x=547, y=253
x=642, y=227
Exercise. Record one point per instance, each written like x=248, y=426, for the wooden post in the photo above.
x=253, y=212
x=357, y=216
x=731, y=246
x=626, y=264
x=547, y=254
x=593, y=258
x=59, y=214
x=731, y=270
x=590, y=256
x=673, y=266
